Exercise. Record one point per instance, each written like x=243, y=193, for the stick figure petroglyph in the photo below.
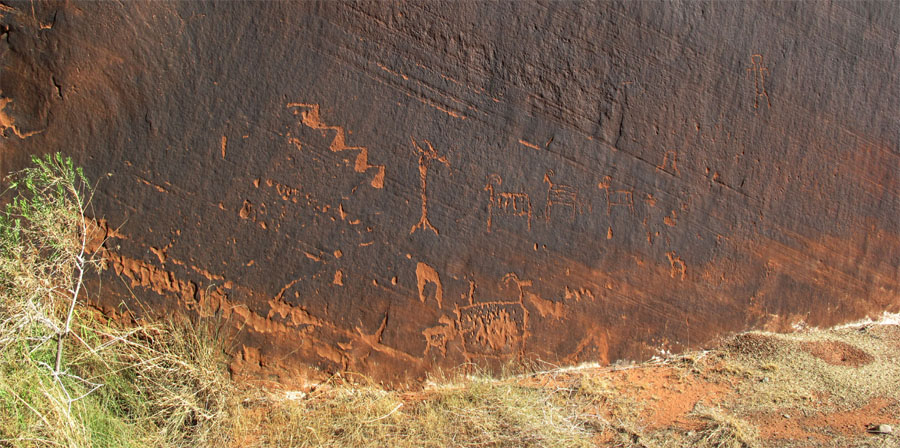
x=759, y=74
x=425, y=158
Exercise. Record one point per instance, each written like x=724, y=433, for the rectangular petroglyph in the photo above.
x=492, y=329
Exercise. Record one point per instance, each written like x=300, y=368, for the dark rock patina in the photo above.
x=391, y=188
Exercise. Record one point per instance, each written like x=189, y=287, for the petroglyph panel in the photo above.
x=395, y=188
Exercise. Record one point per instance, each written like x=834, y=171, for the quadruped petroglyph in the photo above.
x=491, y=329
x=509, y=203
x=560, y=195
x=616, y=197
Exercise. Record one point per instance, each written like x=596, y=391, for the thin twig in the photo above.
x=400, y=405
x=79, y=265
x=30, y=439
x=41, y=416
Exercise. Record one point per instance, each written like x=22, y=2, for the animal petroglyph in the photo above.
x=758, y=72
x=310, y=117
x=560, y=195
x=506, y=202
x=437, y=337
x=615, y=198
x=424, y=275
x=425, y=158
x=679, y=269
x=495, y=329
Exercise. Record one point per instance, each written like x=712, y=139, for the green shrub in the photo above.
x=68, y=377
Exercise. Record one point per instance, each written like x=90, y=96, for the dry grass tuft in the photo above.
x=793, y=376
x=178, y=383
x=723, y=430
x=483, y=412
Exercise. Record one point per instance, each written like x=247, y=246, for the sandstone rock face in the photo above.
x=393, y=188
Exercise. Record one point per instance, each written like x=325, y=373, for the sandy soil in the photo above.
x=810, y=388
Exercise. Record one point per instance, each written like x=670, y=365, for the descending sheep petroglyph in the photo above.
x=310, y=117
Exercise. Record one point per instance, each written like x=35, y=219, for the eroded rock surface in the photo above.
x=391, y=188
